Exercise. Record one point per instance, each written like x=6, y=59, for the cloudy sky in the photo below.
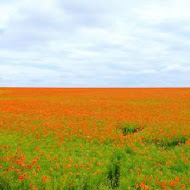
x=102, y=43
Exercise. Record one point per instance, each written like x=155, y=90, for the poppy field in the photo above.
x=94, y=138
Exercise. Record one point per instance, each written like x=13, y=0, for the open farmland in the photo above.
x=94, y=138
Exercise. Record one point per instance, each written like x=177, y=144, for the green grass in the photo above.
x=108, y=165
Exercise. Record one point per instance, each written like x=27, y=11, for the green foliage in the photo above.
x=4, y=184
x=111, y=167
x=171, y=142
x=128, y=128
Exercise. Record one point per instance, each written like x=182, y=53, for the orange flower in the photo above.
x=38, y=168
x=21, y=178
x=183, y=186
x=44, y=179
x=172, y=183
x=143, y=184
x=177, y=179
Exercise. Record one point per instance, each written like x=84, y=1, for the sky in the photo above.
x=102, y=43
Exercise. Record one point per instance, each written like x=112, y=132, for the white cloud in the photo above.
x=94, y=43
x=177, y=67
x=7, y=11
x=158, y=11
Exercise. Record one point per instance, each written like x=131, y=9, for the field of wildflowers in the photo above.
x=99, y=139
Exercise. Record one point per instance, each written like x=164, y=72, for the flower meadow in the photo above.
x=94, y=138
